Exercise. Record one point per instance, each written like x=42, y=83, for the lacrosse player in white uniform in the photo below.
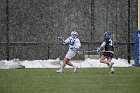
x=74, y=44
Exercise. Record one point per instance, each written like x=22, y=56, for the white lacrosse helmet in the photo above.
x=74, y=34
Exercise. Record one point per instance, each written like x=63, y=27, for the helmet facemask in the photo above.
x=107, y=34
x=74, y=34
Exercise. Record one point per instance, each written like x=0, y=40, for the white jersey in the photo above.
x=74, y=44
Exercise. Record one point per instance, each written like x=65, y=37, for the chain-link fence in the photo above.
x=29, y=28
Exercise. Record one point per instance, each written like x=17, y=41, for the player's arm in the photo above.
x=78, y=44
x=101, y=48
x=61, y=39
x=67, y=41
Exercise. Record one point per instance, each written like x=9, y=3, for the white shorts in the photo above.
x=70, y=54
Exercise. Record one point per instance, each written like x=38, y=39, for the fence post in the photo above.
x=128, y=42
x=7, y=31
x=48, y=51
x=92, y=19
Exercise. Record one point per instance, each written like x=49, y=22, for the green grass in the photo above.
x=88, y=80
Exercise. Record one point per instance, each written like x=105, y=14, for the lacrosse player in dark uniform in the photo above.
x=107, y=50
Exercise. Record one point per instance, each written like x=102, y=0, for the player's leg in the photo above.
x=110, y=56
x=103, y=57
x=65, y=61
x=75, y=67
x=111, y=65
x=70, y=55
x=109, y=62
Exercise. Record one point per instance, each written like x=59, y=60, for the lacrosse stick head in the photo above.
x=61, y=38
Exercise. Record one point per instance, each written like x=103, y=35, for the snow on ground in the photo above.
x=55, y=63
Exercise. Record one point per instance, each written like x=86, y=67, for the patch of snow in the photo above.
x=55, y=63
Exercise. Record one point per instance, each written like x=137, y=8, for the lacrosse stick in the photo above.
x=102, y=51
x=61, y=39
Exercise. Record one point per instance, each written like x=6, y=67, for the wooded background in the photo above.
x=29, y=28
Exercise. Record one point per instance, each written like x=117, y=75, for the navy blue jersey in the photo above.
x=108, y=45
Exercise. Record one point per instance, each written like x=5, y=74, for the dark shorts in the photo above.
x=108, y=55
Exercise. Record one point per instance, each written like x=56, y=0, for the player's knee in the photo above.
x=66, y=60
x=102, y=60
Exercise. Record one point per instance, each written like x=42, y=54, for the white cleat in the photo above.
x=111, y=64
x=112, y=70
x=59, y=71
x=75, y=69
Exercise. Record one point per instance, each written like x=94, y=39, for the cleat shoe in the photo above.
x=112, y=70
x=75, y=69
x=59, y=71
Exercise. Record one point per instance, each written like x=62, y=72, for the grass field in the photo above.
x=86, y=80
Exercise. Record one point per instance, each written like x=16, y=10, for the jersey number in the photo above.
x=72, y=42
x=110, y=42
